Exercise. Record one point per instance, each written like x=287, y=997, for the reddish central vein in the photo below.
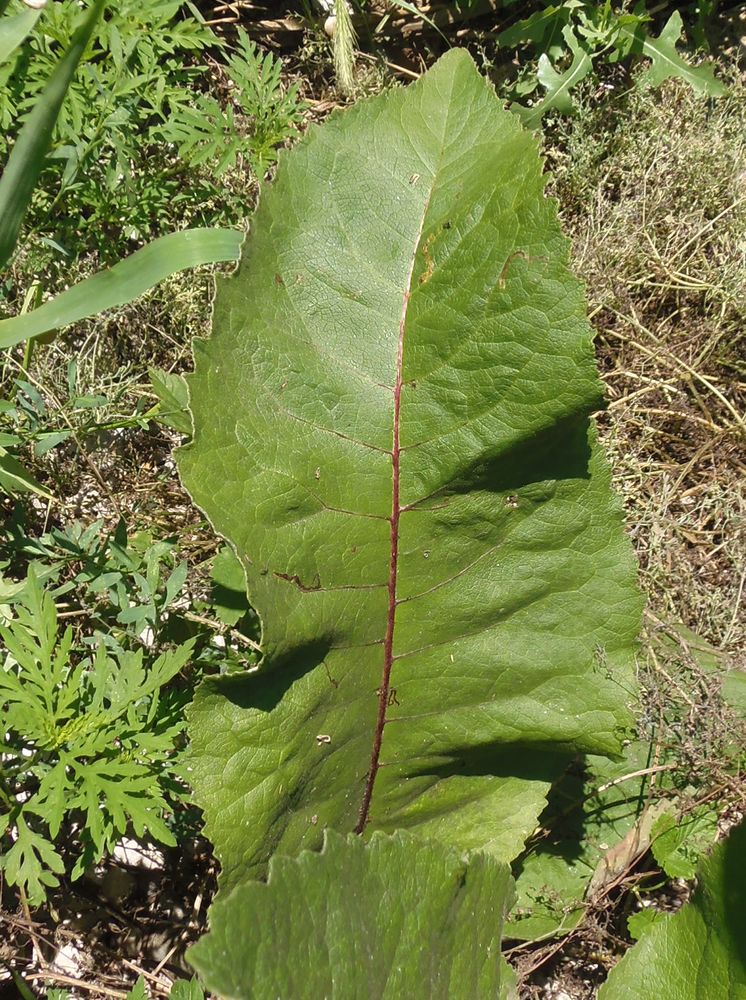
x=396, y=510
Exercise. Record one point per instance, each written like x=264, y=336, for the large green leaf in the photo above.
x=700, y=952
x=392, y=428
x=124, y=281
x=26, y=160
x=393, y=918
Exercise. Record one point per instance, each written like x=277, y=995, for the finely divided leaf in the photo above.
x=698, y=953
x=31, y=862
x=392, y=429
x=392, y=918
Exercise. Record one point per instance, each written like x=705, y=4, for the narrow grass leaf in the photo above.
x=124, y=282
x=15, y=477
x=420, y=15
x=14, y=29
x=26, y=160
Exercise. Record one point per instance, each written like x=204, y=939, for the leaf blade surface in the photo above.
x=13, y=31
x=665, y=61
x=392, y=918
x=26, y=159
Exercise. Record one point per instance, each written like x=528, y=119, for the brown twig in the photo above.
x=655, y=769
x=59, y=977
x=232, y=632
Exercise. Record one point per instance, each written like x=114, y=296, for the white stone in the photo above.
x=136, y=855
x=67, y=960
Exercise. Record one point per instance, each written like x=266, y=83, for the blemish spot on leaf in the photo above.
x=427, y=273
x=294, y=578
x=516, y=253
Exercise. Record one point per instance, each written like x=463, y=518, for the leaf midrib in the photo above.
x=396, y=511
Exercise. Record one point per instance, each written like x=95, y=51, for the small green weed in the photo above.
x=265, y=116
x=94, y=715
x=182, y=989
x=139, y=144
x=34, y=421
x=539, y=52
x=89, y=743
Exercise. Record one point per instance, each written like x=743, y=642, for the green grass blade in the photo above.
x=125, y=281
x=410, y=7
x=13, y=30
x=27, y=157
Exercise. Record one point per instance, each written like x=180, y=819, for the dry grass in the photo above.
x=653, y=192
x=116, y=463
